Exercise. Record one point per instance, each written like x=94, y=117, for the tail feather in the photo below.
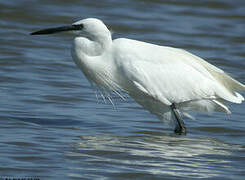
x=239, y=96
x=205, y=105
x=228, y=82
x=220, y=107
x=227, y=86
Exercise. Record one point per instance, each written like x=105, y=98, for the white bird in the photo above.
x=166, y=81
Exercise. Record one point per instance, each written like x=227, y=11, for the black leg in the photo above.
x=180, y=126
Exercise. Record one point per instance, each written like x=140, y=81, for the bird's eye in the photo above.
x=77, y=26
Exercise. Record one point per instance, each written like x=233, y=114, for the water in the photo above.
x=52, y=126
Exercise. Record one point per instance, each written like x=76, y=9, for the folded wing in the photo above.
x=173, y=75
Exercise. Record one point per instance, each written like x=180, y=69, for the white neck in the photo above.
x=92, y=46
x=87, y=53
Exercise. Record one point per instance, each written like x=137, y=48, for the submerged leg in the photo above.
x=180, y=126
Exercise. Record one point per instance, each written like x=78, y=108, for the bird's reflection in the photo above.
x=155, y=154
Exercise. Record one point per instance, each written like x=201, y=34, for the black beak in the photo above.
x=74, y=27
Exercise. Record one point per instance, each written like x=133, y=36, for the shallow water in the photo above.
x=53, y=127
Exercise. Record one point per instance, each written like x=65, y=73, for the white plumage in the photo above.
x=155, y=76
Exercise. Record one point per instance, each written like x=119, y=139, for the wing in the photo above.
x=167, y=74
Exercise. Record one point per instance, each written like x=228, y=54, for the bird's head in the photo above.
x=90, y=27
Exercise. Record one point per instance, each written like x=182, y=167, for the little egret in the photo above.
x=166, y=81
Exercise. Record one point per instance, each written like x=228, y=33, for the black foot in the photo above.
x=180, y=131
x=180, y=125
